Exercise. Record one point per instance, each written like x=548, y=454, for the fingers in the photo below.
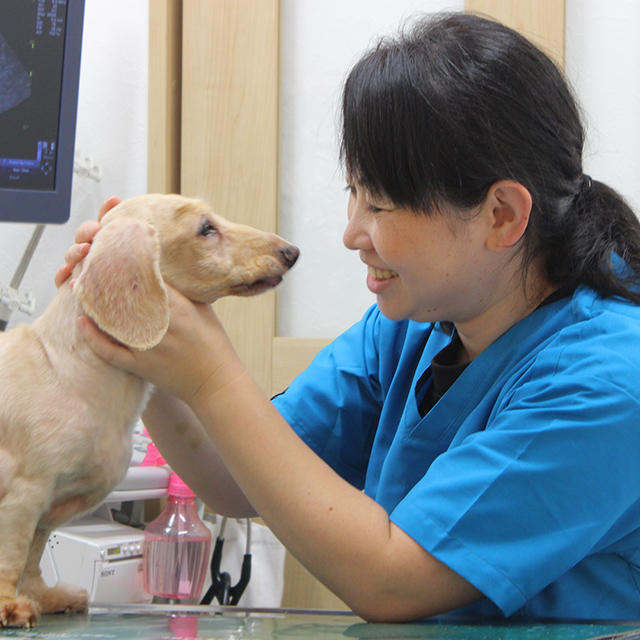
x=107, y=205
x=86, y=232
x=76, y=253
x=62, y=275
x=73, y=256
x=103, y=346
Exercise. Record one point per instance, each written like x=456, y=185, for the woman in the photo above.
x=487, y=404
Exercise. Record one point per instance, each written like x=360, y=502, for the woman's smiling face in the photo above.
x=422, y=267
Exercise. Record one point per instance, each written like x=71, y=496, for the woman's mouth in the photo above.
x=381, y=274
x=378, y=280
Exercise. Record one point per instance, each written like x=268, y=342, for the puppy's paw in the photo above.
x=19, y=612
x=63, y=598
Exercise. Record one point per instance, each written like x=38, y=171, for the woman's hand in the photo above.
x=84, y=237
x=194, y=358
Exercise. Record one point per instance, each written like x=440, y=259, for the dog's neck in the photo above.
x=68, y=352
x=58, y=331
x=60, y=317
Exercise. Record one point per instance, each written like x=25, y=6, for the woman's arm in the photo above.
x=188, y=450
x=342, y=536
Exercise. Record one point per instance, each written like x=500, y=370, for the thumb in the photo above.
x=104, y=347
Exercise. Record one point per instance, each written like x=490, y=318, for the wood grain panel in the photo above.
x=230, y=140
x=303, y=591
x=165, y=95
x=292, y=356
x=542, y=21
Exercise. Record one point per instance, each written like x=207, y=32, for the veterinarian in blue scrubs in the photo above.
x=473, y=444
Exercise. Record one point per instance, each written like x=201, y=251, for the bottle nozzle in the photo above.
x=178, y=488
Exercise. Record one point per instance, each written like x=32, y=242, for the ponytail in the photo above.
x=598, y=244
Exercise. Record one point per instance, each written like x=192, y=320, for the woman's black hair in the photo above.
x=457, y=102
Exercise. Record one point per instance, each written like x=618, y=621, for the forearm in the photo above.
x=343, y=537
x=189, y=451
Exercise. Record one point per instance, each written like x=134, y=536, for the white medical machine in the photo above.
x=103, y=556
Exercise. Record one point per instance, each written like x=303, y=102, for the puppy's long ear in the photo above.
x=120, y=286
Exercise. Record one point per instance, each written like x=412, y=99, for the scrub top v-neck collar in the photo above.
x=445, y=370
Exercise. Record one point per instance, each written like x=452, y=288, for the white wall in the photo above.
x=603, y=63
x=112, y=127
x=326, y=291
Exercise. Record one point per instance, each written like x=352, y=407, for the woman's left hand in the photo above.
x=194, y=357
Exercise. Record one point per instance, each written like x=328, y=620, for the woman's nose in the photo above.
x=355, y=235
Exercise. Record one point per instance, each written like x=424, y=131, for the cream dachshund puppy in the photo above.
x=66, y=416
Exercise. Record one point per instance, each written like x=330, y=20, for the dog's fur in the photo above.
x=66, y=416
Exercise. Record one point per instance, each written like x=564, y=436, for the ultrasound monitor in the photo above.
x=40, y=44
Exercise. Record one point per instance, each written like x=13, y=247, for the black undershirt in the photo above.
x=444, y=371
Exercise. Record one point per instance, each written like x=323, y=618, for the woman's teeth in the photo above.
x=381, y=274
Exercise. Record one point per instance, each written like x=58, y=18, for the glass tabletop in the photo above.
x=168, y=622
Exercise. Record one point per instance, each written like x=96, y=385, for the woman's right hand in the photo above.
x=84, y=237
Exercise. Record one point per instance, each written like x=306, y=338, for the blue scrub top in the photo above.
x=524, y=478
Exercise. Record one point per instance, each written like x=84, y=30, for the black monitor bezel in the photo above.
x=54, y=206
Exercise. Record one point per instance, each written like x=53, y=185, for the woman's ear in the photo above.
x=508, y=205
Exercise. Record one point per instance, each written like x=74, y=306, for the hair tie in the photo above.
x=585, y=185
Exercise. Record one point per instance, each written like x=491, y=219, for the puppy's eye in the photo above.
x=207, y=229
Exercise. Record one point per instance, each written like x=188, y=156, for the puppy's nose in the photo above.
x=289, y=255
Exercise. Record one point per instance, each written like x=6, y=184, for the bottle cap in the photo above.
x=178, y=488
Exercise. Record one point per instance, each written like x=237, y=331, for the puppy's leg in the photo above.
x=20, y=510
x=61, y=598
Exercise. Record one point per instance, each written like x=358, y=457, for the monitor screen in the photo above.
x=40, y=43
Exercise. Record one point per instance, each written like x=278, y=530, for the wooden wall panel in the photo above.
x=165, y=95
x=303, y=591
x=291, y=356
x=542, y=21
x=230, y=60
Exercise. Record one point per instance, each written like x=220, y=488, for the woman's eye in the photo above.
x=207, y=229
x=353, y=192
